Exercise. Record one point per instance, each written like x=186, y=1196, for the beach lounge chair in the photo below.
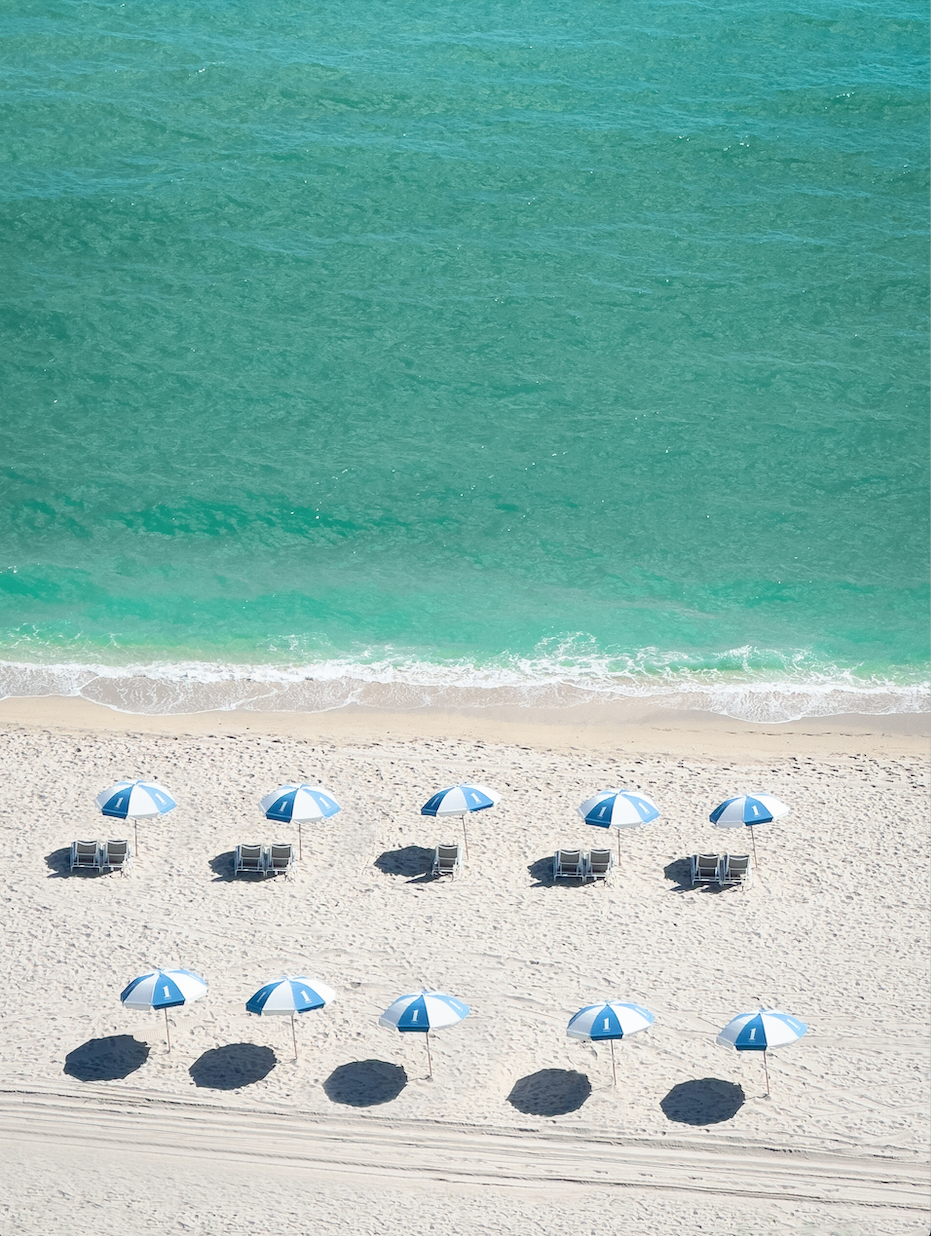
x=599, y=864
x=249, y=859
x=736, y=869
x=568, y=865
x=279, y=859
x=115, y=856
x=85, y=856
x=705, y=869
x=446, y=860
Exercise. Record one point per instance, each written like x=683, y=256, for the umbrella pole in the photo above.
x=136, y=834
x=766, y=1071
x=167, y=1031
x=429, y=1061
x=613, y=1065
x=753, y=839
x=300, y=841
x=293, y=1036
x=465, y=837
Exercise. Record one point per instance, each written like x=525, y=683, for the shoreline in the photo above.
x=624, y=728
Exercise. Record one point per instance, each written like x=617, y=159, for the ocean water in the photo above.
x=448, y=353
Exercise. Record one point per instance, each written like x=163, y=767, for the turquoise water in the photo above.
x=476, y=347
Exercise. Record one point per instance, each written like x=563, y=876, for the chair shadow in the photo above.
x=706, y=1101
x=59, y=865
x=681, y=872
x=551, y=1092
x=233, y=1066
x=106, y=1059
x=541, y=872
x=413, y=861
x=365, y=1083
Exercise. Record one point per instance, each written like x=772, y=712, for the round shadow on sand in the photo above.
x=233, y=1066
x=706, y=1101
x=365, y=1083
x=106, y=1059
x=551, y=1092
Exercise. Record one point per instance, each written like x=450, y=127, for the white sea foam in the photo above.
x=743, y=683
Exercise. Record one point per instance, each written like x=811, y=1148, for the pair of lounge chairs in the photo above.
x=447, y=860
x=721, y=869
x=101, y=856
x=264, y=860
x=582, y=864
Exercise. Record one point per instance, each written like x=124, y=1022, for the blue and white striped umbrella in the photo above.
x=135, y=800
x=610, y=1021
x=618, y=809
x=288, y=996
x=763, y=1030
x=423, y=1011
x=748, y=809
x=460, y=800
x=299, y=804
x=163, y=989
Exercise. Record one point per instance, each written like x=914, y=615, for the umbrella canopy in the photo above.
x=748, y=809
x=764, y=1030
x=609, y=1021
x=163, y=989
x=459, y=800
x=424, y=1011
x=299, y=804
x=618, y=809
x=286, y=996
x=135, y=800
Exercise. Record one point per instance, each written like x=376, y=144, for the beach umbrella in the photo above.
x=135, y=800
x=164, y=989
x=299, y=804
x=747, y=810
x=609, y=1021
x=618, y=809
x=460, y=800
x=763, y=1030
x=288, y=996
x=423, y=1011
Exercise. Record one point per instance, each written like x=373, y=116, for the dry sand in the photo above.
x=101, y=1130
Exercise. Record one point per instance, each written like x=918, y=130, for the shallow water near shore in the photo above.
x=466, y=354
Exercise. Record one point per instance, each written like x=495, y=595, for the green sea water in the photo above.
x=476, y=348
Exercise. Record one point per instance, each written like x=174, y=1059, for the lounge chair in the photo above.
x=85, y=856
x=705, y=869
x=249, y=859
x=279, y=859
x=736, y=869
x=115, y=856
x=446, y=860
x=568, y=865
x=599, y=864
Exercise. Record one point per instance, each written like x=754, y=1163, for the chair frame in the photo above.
x=572, y=871
x=103, y=855
x=590, y=873
x=91, y=866
x=743, y=878
x=270, y=869
x=443, y=865
x=696, y=869
x=259, y=859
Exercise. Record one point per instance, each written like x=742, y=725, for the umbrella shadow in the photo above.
x=108, y=1059
x=680, y=871
x=365, y=1083
x=541, y=872
x=551, y=1092
x=413, y=861
x=233, y=1066
x=706, y=1101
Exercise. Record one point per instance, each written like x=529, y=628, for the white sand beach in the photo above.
x=521, y=1129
